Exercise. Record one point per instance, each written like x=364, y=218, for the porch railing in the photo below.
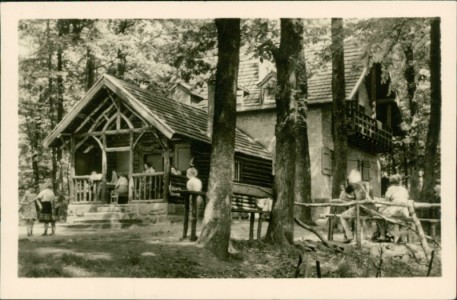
x=147, y=186
x=86, y=191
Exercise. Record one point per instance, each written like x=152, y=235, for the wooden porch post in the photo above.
x=131, y=168
x=166, y=171
x=104, y=168
x=72, y=169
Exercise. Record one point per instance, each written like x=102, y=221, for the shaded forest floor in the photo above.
x=156, y=251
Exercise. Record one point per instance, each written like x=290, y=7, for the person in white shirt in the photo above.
x=194, y=184
x=395, y=194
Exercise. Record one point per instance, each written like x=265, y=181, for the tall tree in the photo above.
x=215, y=234
x=292, y=165
x=433, y=134
x=339, y=126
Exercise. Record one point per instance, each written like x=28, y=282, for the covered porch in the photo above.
x=114, y=141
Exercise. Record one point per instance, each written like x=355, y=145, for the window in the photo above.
x=363, y=166
x=268, y=94
x=237, y=171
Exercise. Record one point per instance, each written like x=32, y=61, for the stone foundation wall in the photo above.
x=141, y=211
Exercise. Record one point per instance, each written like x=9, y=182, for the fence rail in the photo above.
x=411, y=205
x=341, y=203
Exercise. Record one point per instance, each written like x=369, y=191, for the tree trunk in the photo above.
x=411, y=153
x=215, y=234
x=433, y=134
x=90, y=70
x=52, y=106
x=60, y=113
x=302, y=181
x=340, y=142
x=292, y=163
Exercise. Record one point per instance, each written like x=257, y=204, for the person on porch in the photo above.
x=94, y=181
x=149, y=168
x=122, y=189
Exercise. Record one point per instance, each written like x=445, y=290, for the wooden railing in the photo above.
x=367, y=132
x=359, y=205
x=86, y=191
x=147, y=186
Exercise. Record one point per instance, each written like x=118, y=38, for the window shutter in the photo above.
x=327, y=161
x=366, y=170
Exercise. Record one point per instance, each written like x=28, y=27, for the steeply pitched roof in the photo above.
x=168, y=116
x=319, y=84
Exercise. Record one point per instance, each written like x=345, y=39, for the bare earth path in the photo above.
x=156, y=251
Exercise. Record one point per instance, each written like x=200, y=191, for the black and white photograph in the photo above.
x=306, y=148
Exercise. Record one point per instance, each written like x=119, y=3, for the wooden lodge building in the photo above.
x=118, y=126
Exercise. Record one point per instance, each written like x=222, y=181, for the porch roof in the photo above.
x=169, y=116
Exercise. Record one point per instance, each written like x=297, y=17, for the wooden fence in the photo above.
x=359, y=204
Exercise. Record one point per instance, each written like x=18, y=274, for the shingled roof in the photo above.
x=169, y=116
x=319, y=84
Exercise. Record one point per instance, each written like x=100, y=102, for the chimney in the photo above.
x=209, y=131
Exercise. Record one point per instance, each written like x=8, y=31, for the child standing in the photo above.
x=28, y=209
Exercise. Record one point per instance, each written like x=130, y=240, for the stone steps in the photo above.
x=101, y=216
x=112, y=209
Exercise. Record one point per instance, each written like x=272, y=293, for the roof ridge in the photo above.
x=155, y=94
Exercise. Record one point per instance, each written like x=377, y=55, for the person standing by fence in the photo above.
x=194, y=184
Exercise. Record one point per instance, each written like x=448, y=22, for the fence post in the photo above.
x=420, y=231
x=193, y=222
x=186, y=215
x=358, y=226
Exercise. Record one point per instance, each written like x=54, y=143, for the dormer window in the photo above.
x=268, y=94
x=268, y=88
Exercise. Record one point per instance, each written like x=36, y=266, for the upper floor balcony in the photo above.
x=365, y=132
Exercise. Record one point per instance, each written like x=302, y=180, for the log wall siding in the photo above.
x=254, y=170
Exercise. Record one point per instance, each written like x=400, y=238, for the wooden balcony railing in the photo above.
x=86, y=191
x=147, y=186
x=366, y=132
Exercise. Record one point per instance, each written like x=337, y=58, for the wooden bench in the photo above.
x=248, y=204
x=335, y=217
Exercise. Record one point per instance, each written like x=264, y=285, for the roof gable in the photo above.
x=170, y=117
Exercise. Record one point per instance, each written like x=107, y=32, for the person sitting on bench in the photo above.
x=355, y=190
x=395, y=194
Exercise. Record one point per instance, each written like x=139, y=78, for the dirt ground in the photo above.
x=157, y=251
